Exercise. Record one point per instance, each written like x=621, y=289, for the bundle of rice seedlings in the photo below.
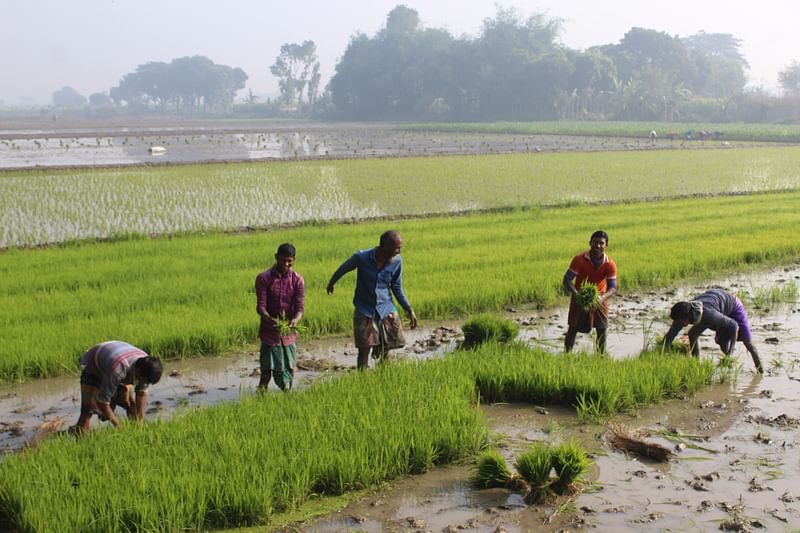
x=588, y=296
x=490, y=471
x=535, y=465
x=679, y=345
x=629, y=441
x=486, y=327
x=570, y=462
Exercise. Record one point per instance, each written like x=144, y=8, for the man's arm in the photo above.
x=298, y=301
x=694, y=335
x=400, y=294
x=141, y=405
x=105, y=408
x=569, y=282
x=754, y=354
x=349, y=265
x=674, y=329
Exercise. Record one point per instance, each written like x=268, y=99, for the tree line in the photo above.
x=514, y=69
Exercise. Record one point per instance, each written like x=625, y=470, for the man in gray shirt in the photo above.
x=716, y=310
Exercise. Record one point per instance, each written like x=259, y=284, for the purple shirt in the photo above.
x=279, y=295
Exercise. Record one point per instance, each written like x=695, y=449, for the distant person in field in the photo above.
x=115, y=373
x=376, y=323
x=592, y=266
x=280, y=302
x=718, y=311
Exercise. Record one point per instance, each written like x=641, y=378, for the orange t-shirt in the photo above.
x=584, y=270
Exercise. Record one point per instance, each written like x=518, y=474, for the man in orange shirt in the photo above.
x=593, y=266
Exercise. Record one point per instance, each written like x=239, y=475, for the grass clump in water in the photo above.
x=486, y=328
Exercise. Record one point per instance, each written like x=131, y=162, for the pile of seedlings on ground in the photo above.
x=544, y=471
x=488, y=328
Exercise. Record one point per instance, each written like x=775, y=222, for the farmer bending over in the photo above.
x=716, y=310
x=110, y=371
x=593, y=266
x=280, y=297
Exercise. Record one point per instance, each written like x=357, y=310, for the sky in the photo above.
x=90, y=44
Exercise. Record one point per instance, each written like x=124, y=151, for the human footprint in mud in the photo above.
x=115, y=373
x=593, y=267
x=719, y=311
x=376, y=323
x=280, y=302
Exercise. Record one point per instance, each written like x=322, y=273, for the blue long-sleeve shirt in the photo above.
x=374, y=288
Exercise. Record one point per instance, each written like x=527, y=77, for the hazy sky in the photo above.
x=91, y=44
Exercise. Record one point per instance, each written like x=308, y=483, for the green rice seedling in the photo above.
x=56, y=302
x=570, y=462
x=729, y=368
x=588, y=296
x=215, y=468
x=679, y=345
x=487, y=328
x=535, y=466
x=55, y=206
x=285, y=329
x=552, y=426
x=490, y=471
x=764, y=297
x=590, y=410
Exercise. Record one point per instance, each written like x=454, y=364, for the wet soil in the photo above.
x=44, y=145
x=739, y=474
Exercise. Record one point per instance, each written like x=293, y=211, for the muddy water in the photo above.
x=751, y=475
x=124, y=146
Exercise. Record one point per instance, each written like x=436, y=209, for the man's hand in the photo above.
x=413, y=318
x=109, y=413
x=329, y=288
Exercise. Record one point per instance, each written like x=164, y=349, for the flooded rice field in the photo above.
x=737, y=443
x=114, y=146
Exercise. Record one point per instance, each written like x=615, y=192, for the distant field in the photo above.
x=737, y=131
x=51, y=206
x=192, y=295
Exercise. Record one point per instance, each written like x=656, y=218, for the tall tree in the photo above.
x=68, y=97
x=789, y=78
x=720, y=66
x=295, y=67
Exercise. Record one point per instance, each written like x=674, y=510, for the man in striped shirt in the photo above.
x=112, y=372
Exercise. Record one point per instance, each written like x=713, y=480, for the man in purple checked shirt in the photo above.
x=280, y=296
x=719, y=311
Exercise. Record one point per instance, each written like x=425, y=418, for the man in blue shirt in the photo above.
x=379, y=274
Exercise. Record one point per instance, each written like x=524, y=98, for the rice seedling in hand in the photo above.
x=486, y=327
x=285, y=329
x=588, y=296
x=570, y=462
x=679, y=345
x=535, y=465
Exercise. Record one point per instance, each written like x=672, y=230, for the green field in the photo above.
x=192, y=295
x=247, y=462
x=729, y=131
x=48, y=206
